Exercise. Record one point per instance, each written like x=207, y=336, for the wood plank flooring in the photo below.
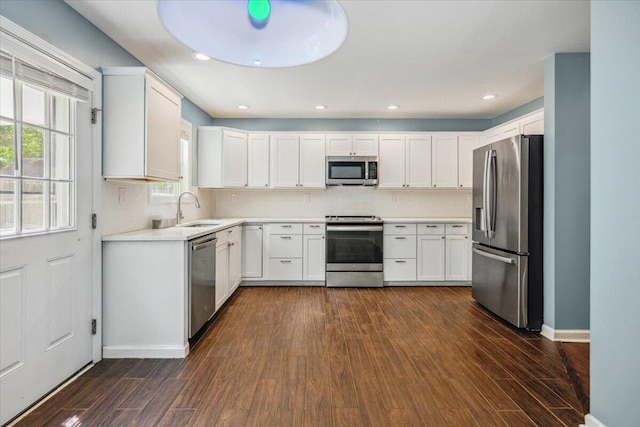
x=315, y=356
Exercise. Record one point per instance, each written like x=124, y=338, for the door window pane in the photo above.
x=7, y=148
x=6, y=98
x=8, y=206
x=33, y=206
x=33, y=152
x=60, y=113
x=33, y=106
x=60, y=206
x=60, y=156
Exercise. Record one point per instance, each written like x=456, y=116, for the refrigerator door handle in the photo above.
x=492, y=197
x=485, y=191
x=494, y=256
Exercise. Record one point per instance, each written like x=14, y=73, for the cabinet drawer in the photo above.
x=399, y=229
x=399, y=246
x=430, y=228
x=285, y=228
x=285, y=246
x=457, y=228
x=314, y=228
x=285, y=269
x=399, y=269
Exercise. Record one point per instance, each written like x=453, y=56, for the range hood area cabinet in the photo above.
x=222, y=157
x=142, y=122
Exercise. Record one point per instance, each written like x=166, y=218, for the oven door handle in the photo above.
x=354, y=228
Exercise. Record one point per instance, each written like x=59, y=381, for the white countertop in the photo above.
x=183, y=232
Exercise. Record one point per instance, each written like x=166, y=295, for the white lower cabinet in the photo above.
x=458, y=256
x=228, y=263
x=399, y=251
x=313, y=255
x=285, y=252
x=252, y=252
x=431, y=257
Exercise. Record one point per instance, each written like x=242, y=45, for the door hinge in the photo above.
x=94, y=115
x=94, y=326
x=94, y=221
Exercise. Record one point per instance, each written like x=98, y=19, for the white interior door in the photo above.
x=46, y=253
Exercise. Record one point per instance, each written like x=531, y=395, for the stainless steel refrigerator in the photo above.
x=507, y=229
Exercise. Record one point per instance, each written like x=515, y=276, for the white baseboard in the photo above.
x=591, y=421
x=145, y=352
x=565, y=335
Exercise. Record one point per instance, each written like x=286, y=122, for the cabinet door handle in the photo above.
x=400, y=261
x=432, y=226
x=286, y=237
x=314, y=226
x=285, y=261
x=285, y=226
x=401, y=226
x=456, y=226
x=400, y=238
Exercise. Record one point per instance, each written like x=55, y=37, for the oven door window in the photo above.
x=354, y=247
x=346, y=170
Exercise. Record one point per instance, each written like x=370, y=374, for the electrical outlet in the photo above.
x=307, y=197
x=122, y=195
x=234, y=197
x=393, y=197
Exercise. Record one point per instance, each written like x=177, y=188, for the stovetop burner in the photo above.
x=354, y=219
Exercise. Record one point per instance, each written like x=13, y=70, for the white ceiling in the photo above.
x=435, y=59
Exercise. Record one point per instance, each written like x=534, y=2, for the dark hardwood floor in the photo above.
x=294, y=356
x=576, y=359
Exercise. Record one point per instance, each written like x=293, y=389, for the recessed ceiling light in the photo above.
x=257, y=61
x=321, y=107
x=243, y=107
x=201, y=56
x=393, y=107
x=488, y=96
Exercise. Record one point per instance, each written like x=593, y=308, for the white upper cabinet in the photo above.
x=297, y=161
x=418, y=161
x=258, y=161
x=405, y=161
x=352, y=145
x=312, y=161
x=141, y=126
x=529, y=124
x=285, y=154
x=222, y=157
x=392, y=172
x=466, y=145
x=444, y=161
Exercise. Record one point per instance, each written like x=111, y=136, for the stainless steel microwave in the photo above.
x=352, y=170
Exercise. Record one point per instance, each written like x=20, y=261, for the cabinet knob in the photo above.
x=266, y=185
x=443, y=237
x=460, y=185
x=434, y=185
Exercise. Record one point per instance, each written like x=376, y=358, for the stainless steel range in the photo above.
x=354, y=251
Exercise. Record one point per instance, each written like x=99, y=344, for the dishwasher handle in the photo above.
x=203, y=244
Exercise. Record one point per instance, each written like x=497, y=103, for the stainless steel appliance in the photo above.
x=352, y=170
x=202, y=281
x=354, y=251
x=507, y=229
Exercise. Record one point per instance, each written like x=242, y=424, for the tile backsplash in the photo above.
x=342, y=201
x=126, y=206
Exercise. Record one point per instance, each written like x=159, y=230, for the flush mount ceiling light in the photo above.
x=488, y=96
x=393, y=107
x=201, y=56
x=257, y=33
x=243, y=107
x=321, y=107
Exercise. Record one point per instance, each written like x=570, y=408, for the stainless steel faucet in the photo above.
x=179, y=215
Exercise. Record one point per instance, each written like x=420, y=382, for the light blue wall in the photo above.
x=403, y=125
x=567, y=191
x=615, y=224
x=57, y=23
x=534, y=105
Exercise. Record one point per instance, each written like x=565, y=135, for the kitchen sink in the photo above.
x=199, y=224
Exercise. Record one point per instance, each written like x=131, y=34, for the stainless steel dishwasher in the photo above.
x=202, y=281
